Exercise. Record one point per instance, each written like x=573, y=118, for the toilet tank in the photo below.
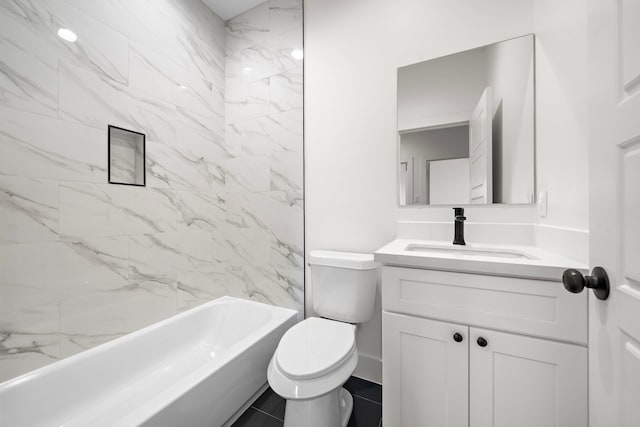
x=343, y=285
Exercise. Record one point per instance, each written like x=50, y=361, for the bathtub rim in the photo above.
x=170, y=394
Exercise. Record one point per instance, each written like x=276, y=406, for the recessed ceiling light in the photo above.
x=246, y=70
x=68, y=35
x=297, y=54
x=183, y=87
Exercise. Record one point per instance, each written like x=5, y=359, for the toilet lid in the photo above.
x=314, y=347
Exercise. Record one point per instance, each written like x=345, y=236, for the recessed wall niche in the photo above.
x=126, y=157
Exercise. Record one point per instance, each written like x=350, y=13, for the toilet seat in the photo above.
x=301, y=371
x=314, y=347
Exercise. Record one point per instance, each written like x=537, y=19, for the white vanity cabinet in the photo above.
x=519, y=359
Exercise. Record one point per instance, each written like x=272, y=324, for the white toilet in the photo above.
x=318, y=355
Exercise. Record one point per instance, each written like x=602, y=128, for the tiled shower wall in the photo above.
x=264, y=137
x=82, y=261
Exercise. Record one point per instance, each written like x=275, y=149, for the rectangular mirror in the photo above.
x=466, y=127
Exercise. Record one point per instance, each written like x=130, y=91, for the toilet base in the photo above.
x=330, y=410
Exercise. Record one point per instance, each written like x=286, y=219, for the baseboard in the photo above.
x=369, y=368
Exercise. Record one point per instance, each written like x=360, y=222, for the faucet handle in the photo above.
x=459, y=213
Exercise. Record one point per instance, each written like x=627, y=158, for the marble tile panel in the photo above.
x=181, y=169
x=248, y=247
x=153, y=210
x=195, y=54
x=102, y=316
x=153, y=73
x=287, y=248
x=154, y=254
x=286, y=129
x=28, y=340
x=29, y=209
x=16, y=297
x=287, y=173
x=252, y=63
x=77, y=267
x=250, y=173
x=267, y=135
x=23, y=264
x=267, y=58
x=284, y=15
x=196, y=288
x=269, y=211
x=276, y=287
x=206, y=130
x=223, y=247
x=286, y=91
x=196, y=250
x=150, y=22
x=89, y=100
x=247, y=101
x=282, y=48
x=99, y=48
x=53, y=149
x=248, y=29
x=200, y=211
x=92, y=210
x=204, y=139
x=28, y=73
x=162, y=76
x=195, y=16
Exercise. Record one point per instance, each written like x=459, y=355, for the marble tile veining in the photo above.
x=53, y=149
x=29, y=209
x=86, y=98
x=83, y=261
x=28, y=77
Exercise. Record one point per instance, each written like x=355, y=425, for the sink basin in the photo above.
x=467, y=251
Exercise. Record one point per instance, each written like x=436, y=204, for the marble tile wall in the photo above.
x=83, y=261
x=264, y=171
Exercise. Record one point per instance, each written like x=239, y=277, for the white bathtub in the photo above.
x=198, y=368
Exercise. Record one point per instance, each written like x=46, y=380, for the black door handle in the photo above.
x=457, y=337
x=482, y=342
x=575, y=282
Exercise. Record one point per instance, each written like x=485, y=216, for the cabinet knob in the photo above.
x=575, y=282
x=482, y=342
x=457, y=337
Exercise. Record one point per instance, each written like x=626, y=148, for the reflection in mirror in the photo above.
x=466, y=127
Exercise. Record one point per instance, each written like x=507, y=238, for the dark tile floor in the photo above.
x=268, y=410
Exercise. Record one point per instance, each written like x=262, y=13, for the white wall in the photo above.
x=353, y=50
x=561, y=111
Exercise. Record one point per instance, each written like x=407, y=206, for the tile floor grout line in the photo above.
x=368, y=400
x=266, y=413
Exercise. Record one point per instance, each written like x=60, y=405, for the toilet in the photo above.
x=318, y=355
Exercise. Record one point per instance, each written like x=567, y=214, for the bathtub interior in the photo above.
x=125, y=374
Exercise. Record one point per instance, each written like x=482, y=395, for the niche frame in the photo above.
x=119, y=129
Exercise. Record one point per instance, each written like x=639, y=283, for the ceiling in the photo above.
x=227, y=9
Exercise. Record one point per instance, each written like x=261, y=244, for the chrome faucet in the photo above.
x=458, y=238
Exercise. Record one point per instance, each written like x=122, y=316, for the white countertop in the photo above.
x=537, y=264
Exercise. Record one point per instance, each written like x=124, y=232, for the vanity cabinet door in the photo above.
x=425, y=372
x=526, y=382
